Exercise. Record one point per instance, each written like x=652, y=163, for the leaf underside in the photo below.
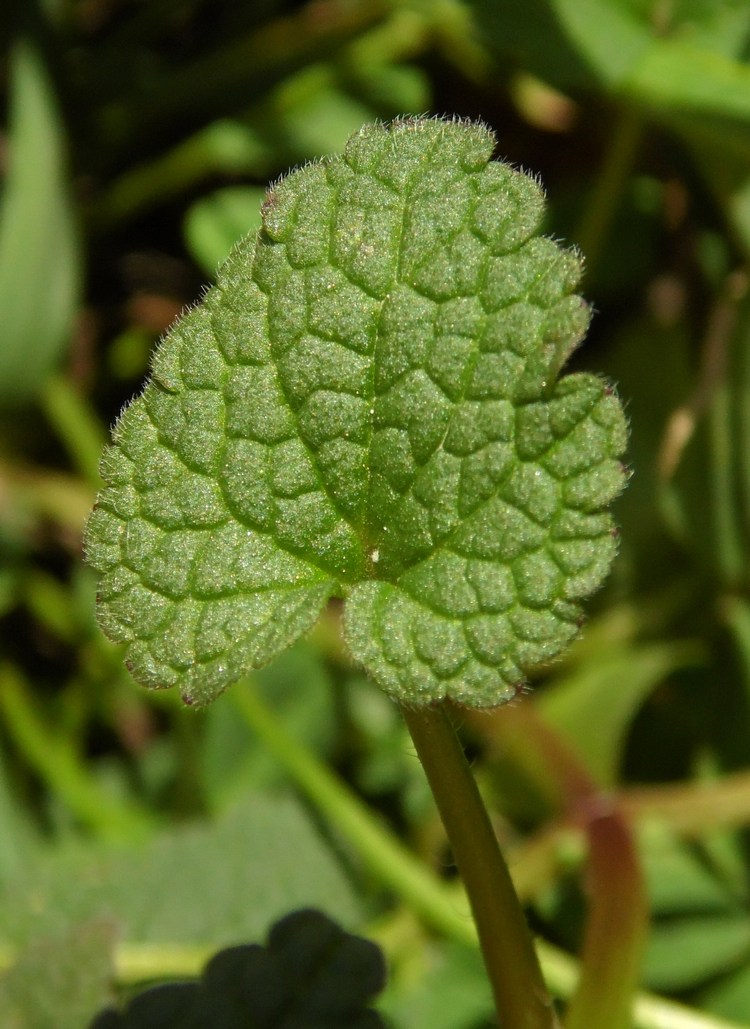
x=367, y=406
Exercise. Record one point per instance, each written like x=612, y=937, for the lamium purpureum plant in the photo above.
x=368, y=407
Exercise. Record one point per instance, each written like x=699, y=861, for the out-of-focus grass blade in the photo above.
x=39, y=255
x=16, y=833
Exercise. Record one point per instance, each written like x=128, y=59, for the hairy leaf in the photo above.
x=367, y=406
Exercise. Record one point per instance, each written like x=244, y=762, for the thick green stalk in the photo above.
x=521, y=997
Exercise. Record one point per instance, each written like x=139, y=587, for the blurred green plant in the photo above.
x=37, y=233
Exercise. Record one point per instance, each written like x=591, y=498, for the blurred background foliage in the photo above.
x=136, y=837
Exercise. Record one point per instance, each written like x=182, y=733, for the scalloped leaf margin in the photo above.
x=367, y=406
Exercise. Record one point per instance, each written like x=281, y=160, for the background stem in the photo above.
x=616, y=927
x=521, y=997
x=617, y=166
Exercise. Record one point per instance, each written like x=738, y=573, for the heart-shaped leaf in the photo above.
x=367, y=406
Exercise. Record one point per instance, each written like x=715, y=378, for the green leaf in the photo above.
x=451, y=993
x=572, y=44
x=127, y=884
x=366, y=406
x=231, y=761
x=680, y=76
x=215, y=223
x=312, y=975
x=729, y=996
x=691, y=60
x=679, y=879
x=60, y=980
x=689, y=951
x=39, y=256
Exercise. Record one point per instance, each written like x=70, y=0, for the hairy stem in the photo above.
x=521, y=997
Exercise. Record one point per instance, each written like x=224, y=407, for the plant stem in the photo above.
x=617, y=919
x=616, y=928
x=521, y=996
